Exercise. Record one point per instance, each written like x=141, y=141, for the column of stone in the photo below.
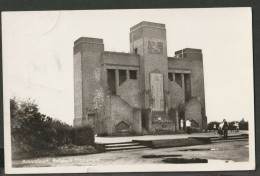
x=127, y=75
x=183, y=86
x=117, y=80
x=177, y=120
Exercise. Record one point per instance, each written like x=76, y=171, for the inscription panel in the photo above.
x=157, y=91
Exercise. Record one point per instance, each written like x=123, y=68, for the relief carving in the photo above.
x=155, y=47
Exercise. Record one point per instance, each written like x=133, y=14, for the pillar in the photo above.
x=117, y=80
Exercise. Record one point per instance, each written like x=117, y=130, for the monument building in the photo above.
x=141, y=92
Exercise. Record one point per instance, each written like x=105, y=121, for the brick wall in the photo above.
x=77, y=89
x=120, y=111
x=87, y=71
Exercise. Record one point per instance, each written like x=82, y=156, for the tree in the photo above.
x=13, y=107
x=243, y=125
x=35, y=130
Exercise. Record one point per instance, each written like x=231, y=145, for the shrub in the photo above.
x=243, y=125
x=64, y=133
x=231, y=125
x=33, y=131
x=211, y=125
x=83, y=135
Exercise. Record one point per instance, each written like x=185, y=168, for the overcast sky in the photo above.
x=38, y=53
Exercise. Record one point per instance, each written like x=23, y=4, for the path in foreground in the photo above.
x=236, y=151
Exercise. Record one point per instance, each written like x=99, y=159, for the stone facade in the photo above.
x=141, y=92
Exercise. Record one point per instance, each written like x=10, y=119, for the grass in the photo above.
x=66, y=150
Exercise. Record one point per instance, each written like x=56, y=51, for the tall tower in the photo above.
x=87, y=78
x=149, y=41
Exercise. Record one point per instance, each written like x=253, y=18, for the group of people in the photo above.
x=223, y=129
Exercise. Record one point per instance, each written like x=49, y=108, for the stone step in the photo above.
x=126, y=148
x=118, y=143
x=229, y=140
x=121, y=145
x=236, y=136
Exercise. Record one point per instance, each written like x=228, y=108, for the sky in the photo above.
x=38, y=53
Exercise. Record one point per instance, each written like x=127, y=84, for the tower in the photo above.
x=149, y=41
x=87, y=79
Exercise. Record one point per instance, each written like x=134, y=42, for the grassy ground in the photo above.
x=67, y=150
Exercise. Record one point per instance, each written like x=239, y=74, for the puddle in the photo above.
x=194, y=160
x=189, y=150
x=186, y=150
x=184, y=160
x=159, y=156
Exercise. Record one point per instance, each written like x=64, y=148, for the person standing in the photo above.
x=220, y=131
x=225, y=128
x=237, y=126
x=214, y=127
x=188, y=126
x=181, y=124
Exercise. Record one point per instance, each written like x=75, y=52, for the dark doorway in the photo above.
x=178, y=79
x=172, y=115
x=170, y=76
x=122, y=76
x=143, y=120
x=136, y=51
x=111, y=80
x=187, y=87
x=182, y=118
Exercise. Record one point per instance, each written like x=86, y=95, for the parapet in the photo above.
x=118, y=58
x=149, y=24
x=187, y=51
x=88, y=40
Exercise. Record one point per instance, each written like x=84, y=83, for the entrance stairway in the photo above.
x=162, y=143
x=123, y=146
